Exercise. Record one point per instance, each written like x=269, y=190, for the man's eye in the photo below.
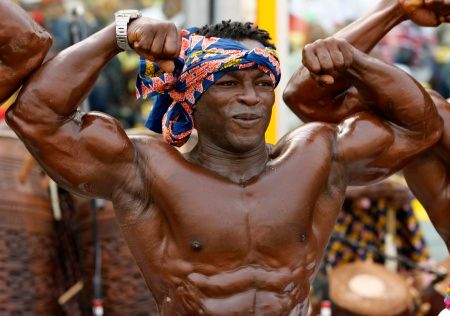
x=226, y=83
x=265, y=83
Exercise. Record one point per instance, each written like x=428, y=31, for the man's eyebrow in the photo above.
x=237, y=73
x=262, y=74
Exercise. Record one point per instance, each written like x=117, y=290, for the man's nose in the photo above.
x=249, y=95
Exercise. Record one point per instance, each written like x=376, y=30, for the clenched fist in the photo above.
x=427, y=12
x=155, y=40
x=326, y=57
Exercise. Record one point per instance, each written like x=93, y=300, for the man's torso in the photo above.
x=208, y=245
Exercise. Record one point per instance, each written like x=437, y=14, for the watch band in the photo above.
x=122, y=18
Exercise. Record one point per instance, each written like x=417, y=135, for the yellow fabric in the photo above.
x=10, y=101
x=419, y=211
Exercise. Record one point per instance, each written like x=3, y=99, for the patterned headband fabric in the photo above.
x=202, y=61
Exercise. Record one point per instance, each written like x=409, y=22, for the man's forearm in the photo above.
x=23, y=46
x=61, y=84
x=331, y=102
x=367, y=31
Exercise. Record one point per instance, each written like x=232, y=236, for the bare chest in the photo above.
x=241, y=221
x=208, y=218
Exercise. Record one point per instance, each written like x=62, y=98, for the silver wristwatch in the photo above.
x=123, y=17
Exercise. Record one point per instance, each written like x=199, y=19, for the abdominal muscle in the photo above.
x=249, y=290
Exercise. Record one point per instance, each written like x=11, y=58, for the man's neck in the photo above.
x=238, y=167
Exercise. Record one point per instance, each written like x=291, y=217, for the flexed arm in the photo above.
x=331, y=99
x=86, y=152
x=23, y=46
x=401, y=121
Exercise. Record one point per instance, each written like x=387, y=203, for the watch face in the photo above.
x=131, y=13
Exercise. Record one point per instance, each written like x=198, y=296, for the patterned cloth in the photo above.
x=202, y=61
x=367, y=228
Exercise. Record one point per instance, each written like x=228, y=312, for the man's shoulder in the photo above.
x=315, y=134
x=151, y=145
x=313, y=131
x=142, y=138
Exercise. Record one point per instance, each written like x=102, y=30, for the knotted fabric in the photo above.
x=202, y=61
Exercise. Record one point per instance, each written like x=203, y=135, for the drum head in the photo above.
x=369, y=289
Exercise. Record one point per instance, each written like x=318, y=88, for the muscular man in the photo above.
x=23, y=46
x=236, y=226
x=426, y=175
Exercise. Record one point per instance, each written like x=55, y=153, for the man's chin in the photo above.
x=246, y=144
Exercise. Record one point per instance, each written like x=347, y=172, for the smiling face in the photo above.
x=234, y=113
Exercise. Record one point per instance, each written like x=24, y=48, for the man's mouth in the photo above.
x=246, y=120
x=246, y=116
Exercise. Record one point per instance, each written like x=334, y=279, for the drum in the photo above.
x=123, y=287
x=369, y=289
x=29, y=261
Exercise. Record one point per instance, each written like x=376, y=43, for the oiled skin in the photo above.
x=258, y=253
x=235, y=227
x=428, y=175
x=23, y=46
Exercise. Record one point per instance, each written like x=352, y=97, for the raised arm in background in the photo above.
x=322, y=98
x=428, y=176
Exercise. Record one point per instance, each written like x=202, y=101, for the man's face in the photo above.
x=234, y=113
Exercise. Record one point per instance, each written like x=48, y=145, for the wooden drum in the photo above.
x=29, y=261
x=369, y=289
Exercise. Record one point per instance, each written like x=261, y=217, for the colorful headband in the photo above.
x=202, y=61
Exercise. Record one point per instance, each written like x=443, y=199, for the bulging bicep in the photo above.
x=88, y=154
x=372, y=149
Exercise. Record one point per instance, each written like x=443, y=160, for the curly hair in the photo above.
x=237, y=31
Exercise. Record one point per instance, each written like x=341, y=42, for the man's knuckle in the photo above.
x=169, y=49
x=342, y=41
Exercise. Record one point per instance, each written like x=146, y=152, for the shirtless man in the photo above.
x=426, y=175
x=23, y=46
x=236, y=226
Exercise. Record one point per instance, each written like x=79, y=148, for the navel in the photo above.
x=196, y=245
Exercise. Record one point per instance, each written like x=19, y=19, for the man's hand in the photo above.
x=427, y=12
x=325, y=58
x=155, y=40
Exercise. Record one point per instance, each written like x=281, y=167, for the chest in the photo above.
x=271, y=216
